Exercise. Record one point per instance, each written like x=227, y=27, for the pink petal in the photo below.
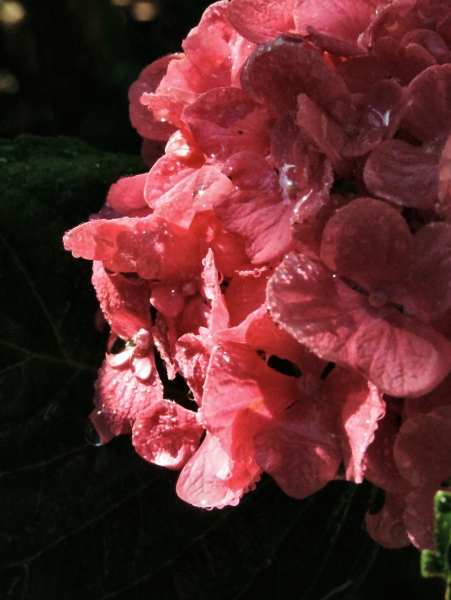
x=368, y=242
x=127, y=194
x=403, y=174
x=261, y=20
x=229, y=248
x=343, y=19
x=167, y=434
x=387, y=526
x=120, y=397
x=210, y=478
x=148, y=246
x=301, y=451
x=192, y=359
x=362, y=410
x=169, y=189
x=219, y=315
x=224, y=121
x=141, y=117
x=254, y=393
x=246, y=292
x=254, y=207
x=124, y=301
x=401, y=356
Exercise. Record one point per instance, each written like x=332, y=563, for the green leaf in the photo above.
x=93, y=523
x=438, y=563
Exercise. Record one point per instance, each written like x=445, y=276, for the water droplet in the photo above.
x=91, y=435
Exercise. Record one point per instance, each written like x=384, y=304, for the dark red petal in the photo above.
x=266, y=79
x=387, y=526
x=428, y=116
x=403, y=174
x=403, y=63
x=368, y=242
x=385, y=104
x=430, y=284
x=380, y=466
x=423, y=447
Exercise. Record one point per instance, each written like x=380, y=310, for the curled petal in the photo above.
x=210, y=479
x=167, y=434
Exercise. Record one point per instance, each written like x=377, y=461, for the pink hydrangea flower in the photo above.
x=289, y=256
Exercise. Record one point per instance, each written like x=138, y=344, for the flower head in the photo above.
x=288, y=256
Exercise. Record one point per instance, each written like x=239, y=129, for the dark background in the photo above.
x=81, y=522
x=66, y=65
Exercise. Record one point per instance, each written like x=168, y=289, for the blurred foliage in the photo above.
x=66, y=66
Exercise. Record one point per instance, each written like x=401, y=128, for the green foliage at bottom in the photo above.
x=438, y=563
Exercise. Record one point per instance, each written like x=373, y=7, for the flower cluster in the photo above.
x=289, y=256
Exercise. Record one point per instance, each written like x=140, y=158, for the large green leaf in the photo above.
x=80, y=522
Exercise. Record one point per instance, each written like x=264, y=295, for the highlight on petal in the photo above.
x=210, y=479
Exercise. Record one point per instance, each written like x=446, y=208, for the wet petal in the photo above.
x=167, y=434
